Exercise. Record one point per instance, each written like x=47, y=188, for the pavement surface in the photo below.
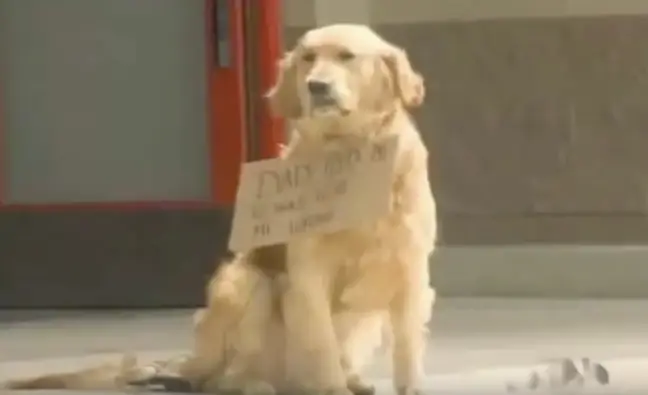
x=486, y=342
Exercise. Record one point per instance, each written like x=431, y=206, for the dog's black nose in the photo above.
x=318, y=87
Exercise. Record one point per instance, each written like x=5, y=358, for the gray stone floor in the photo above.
x=466, y=335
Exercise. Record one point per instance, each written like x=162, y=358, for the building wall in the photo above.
x=535, y=115
x=536, y=118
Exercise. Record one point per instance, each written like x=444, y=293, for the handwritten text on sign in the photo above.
x=279, y=199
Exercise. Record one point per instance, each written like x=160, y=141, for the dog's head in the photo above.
x=339, y=70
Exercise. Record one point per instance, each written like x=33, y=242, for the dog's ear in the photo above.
x=408, y=84
x=283, y=96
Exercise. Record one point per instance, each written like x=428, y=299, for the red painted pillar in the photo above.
x=270, y=47
x=226, y=98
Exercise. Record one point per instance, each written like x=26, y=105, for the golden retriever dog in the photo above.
x=311, y=320
x=343, y=84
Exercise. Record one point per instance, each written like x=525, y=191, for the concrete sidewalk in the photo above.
x=467, y=335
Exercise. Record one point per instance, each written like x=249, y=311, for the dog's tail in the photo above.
x=50, y=382
x=108, y=376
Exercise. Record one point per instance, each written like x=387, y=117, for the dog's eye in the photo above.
x=308, y=57
x=346, y=55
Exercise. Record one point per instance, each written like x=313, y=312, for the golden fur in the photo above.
x=311, y=319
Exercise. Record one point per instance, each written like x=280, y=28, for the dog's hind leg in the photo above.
x=313, y=352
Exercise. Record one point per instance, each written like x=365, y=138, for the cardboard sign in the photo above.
x=279, y=199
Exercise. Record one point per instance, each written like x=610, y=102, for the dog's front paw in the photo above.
x=258, y=388
x=321, y=391
x=335, y=391
x=163, y=383
x=408, y=391
x=358, y=387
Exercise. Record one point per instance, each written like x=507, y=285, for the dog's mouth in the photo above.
x=323, y=102
x=330, y=137
x=327, y=106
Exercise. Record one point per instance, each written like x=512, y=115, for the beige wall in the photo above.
x=535, y=124
x=316, y=12
x=536, y=121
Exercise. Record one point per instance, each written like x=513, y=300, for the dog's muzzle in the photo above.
x=321, y=94
x=319, y=88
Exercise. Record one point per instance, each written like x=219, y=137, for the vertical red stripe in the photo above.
x=226, y=102
x=270, y=47
x=3, y=150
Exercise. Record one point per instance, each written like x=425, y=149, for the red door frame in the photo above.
x=270, y=47
x=225, y=110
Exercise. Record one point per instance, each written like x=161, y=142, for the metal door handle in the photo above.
x=222, y=35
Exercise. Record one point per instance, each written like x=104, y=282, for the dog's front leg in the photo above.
x=314, y=357
x=408, y=340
